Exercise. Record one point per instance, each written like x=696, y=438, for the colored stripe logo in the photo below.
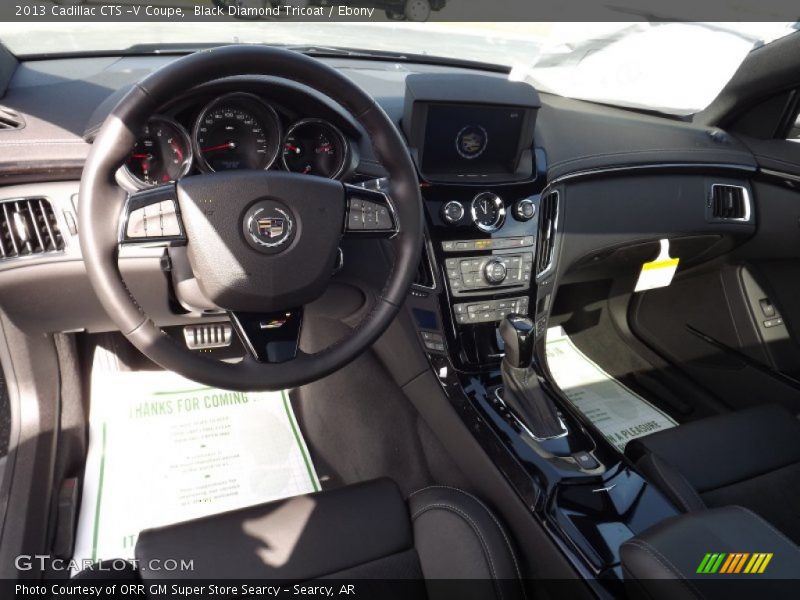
x=734, y=563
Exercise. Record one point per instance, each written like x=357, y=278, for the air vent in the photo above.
x=546, y=239
x=28, y=227
x=729, y=203
x=424, y=277
x=10, y=119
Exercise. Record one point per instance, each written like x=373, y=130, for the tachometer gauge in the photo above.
x=163, y=153
x=315, y=147
x=237, y=131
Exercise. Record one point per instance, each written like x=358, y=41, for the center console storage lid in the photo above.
x=707, y=554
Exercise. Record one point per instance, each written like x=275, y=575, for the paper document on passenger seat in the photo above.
x=164, y=449
x=616, y=411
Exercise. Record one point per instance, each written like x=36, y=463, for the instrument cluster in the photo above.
x=236, y=131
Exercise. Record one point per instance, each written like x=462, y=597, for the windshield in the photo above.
x=670, y=67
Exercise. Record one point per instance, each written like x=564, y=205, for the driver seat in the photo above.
x=361, y=531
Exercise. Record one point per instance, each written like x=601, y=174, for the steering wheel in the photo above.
x=261, y=244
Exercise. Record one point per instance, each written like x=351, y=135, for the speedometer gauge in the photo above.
x=237, y=131
x=315, y=147
x=162, y=153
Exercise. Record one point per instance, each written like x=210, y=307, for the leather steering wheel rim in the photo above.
x=102, y=201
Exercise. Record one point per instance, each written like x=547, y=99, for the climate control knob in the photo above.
x=494, y=272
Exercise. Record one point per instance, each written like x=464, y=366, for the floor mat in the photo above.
x=620, y=414
x=164, y=449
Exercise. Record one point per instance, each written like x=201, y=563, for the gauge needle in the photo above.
x=144, y=160
x=292, y=148
x=225, y=146
x=176, y=149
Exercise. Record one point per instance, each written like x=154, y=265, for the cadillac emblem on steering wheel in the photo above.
x=271, y=227
x=268, y=227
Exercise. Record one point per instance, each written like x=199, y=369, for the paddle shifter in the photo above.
x=521, y=390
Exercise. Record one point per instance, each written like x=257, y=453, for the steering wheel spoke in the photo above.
x=269, y=337
x=152, y=217
x=370, y=213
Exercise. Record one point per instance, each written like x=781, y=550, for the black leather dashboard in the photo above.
x=577, y=135
x=635, y=155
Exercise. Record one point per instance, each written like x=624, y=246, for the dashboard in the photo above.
x=231, y=131
x=502, y=175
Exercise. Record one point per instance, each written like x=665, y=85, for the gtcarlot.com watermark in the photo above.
x=42, y=562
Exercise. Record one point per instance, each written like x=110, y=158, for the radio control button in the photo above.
x=453, y=212
x=524, y=210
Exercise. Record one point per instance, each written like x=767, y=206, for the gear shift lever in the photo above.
x=518, y=335
x=521, y=390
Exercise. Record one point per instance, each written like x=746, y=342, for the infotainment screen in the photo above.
x=463, y=139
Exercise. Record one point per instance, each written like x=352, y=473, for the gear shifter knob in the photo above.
x=522, y=392
x=518, y=335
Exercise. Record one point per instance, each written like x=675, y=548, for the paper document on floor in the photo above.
x=164, y=449
x=620, y=414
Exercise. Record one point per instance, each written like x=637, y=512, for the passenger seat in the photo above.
x=363, y=531
x=748, y=458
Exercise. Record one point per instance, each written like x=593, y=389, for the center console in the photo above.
x=471, y=138
x=486, y=275
x=492, y=226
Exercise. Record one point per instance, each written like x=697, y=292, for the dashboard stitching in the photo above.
x=651, y=151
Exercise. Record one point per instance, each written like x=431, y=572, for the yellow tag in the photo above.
x=658, y=273
x=661, y=264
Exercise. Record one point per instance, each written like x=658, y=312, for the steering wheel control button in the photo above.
x=269, y=226
x=355, y=216
x=368, y=215
x=524, y=210
x=137, y=224
x=453, y=212
x=495, y=272
x=376, y=216
x=152, y=216
x=168, y=219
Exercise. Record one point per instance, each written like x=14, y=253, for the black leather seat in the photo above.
x=748, y=458
x=362, y=531
x=673, y=559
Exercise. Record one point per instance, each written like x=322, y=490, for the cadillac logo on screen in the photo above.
x=471, y=141
x=270, y=227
